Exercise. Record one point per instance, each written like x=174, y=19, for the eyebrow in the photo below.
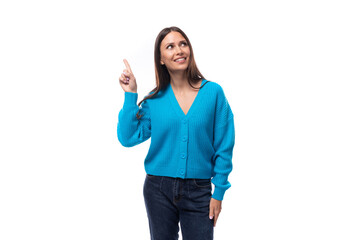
x=173, y=43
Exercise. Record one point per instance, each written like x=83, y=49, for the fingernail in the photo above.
x=211, y=217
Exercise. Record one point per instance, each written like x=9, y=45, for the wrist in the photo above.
x=130, y=99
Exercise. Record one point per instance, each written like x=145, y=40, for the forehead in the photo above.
x=172, y=37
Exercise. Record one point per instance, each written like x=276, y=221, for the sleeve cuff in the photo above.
x=218, y=193
x=130, y=99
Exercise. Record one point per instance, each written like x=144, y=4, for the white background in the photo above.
x=289, y=69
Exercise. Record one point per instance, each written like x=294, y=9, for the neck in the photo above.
x=178, y=80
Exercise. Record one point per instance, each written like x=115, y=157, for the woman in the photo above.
x=191, y=126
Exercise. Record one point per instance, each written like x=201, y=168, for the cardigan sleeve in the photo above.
x=130, y=130
x=223, y=142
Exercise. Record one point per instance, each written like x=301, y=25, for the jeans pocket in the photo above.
x=202, y=183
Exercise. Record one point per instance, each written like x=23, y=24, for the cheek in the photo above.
x=166, y=57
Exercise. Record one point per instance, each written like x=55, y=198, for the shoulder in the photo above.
x=153, y=99
x=159, y=94
x=150, y=93
x=215, y=88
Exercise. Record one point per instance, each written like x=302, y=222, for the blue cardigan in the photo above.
x=196, y=145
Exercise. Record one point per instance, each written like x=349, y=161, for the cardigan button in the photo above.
x=182, y=172
x=184, y=138
x=183, y=155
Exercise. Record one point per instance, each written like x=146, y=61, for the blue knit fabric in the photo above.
x=196, y=145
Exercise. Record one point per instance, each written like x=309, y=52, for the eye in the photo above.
x=184, y=43
x=168, y=46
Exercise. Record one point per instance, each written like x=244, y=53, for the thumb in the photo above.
x=211, y=212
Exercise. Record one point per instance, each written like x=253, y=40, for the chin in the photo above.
x=179, y=70
x=181, y=67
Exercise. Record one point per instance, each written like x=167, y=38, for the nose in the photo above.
x=179, y=50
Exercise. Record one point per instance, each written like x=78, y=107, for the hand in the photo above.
x=215, y=209
x=127, y=79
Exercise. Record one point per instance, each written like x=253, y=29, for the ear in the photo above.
x=161, y=62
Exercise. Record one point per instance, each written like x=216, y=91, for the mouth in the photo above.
x=180, y=60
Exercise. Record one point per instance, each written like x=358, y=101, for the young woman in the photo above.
x=191, y=126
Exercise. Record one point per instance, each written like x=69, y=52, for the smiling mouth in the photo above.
x=180, y=60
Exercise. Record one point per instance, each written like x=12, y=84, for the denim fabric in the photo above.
x=170, y=200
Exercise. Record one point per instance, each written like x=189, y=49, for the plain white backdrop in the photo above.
x=289, y=69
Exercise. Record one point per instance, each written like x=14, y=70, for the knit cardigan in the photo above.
x=196, y=145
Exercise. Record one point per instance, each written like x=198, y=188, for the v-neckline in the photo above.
x=176, y=104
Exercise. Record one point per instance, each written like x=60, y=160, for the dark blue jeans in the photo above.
x=169, y=201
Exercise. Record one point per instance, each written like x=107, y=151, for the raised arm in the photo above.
x=131, y=130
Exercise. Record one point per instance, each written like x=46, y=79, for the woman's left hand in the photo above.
x=215, y=209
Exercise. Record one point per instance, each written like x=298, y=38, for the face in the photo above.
x=173, y=47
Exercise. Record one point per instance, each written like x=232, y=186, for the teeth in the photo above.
x=180, y=59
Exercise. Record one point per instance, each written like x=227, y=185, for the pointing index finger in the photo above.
x=127, y=65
